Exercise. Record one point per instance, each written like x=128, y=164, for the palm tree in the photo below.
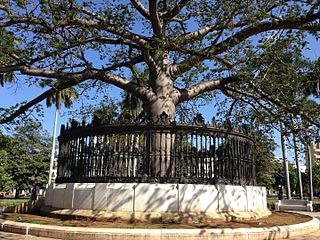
x=67, y=97
x=131, y=105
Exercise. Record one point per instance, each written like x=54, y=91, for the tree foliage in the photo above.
x=28, y=155
x=244, y=50
x=279, y=178
x=66, y=96
x=265, y=165
x=6, y=183
x=315, y=179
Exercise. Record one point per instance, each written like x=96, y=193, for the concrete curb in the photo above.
x=80, y=233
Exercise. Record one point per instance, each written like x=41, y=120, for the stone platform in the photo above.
x=146, y=201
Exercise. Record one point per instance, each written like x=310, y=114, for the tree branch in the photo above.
x=4, y=8
x=195, y=90
x=144, y=93
x=176, y=10
x=105, y=25
x=230, y=42
x=105, y=40
x=29, y=20
x=175, y=47
x=154, y=17
x=127, y=64
x=192, y=36
x=37, y=72
x=303, y=23
x=141, y=9
x=66, y=84
x=72, y=79
x=111, y=28
x=279, y=104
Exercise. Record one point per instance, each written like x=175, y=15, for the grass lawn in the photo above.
x=12, y=201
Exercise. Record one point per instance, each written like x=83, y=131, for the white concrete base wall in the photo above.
x=145, y=197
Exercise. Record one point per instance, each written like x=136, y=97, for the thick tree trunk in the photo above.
x=160, y=106
x=160, y=142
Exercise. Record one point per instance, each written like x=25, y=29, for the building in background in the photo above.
x=315, y=152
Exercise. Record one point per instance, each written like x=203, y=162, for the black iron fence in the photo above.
x=156, y=152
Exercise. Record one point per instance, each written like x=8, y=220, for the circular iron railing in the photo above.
x=160, y=152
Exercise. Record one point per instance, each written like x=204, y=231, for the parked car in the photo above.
x=3, y=194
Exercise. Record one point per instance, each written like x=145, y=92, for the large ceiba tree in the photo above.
x=242, y=49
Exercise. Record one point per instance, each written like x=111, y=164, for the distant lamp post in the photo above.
x=309, y=161
x=296, y=157
x=285, y=162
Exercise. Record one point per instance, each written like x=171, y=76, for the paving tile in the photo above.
x=12, y=236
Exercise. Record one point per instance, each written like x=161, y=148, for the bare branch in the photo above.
x=154, y=17
x=236, y=98
x=46, y=73
x=144, y=93
x=141, y=9
x=66, y=47
x=198, y=34
x=109, y=27
x=195, y=90
x=204, y=55
x=303, y=23
x=72, y=79
x=4, y=8
x=176, y=10
x=92, y=14
x=33, y=21
x=127, y=64
x=105, y=25
x=66, y=84
x=279, y=104
x=192, y=36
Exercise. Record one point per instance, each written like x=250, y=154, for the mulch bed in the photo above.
x=275, y=219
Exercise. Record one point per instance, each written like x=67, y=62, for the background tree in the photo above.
x=294, y=180
x=315, y=179
x=107, y=111
x=279, y=177
x=265, y=160
x=29, y=156
x=6, y=183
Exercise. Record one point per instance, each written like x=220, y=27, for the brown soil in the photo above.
x=275, y=219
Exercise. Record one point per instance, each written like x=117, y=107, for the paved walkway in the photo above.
x=11, y=236
x=312, y=236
